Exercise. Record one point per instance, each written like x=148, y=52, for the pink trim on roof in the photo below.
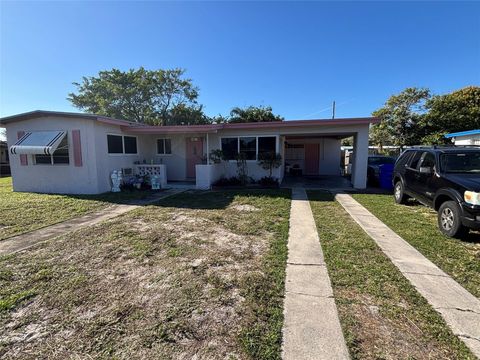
x=303, y=123
x=146, y=129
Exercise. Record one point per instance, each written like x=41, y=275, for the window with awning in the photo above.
x=38, y=143
x=46, y=147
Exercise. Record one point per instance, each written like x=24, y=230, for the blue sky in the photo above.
x=295, y=56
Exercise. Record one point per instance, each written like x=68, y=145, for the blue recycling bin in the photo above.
x=385, y=175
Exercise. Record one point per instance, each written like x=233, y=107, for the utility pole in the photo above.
x=333, y=110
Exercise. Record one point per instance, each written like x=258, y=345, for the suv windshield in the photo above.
x=468, y=162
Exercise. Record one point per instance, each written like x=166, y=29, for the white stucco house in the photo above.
x=75, y=153
x=469, y=137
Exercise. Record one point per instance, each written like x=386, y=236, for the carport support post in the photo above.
x=360, y=152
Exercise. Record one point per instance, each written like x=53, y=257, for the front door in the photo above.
x=312, y=158
x=194, y=155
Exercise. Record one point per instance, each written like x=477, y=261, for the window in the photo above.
x=251, y=146
x=415, y=159
x=115, y=144
x=130, y=143
x=428, y=160
x=230, y=148
x=164, y=146
x=119, y=144
x=59, y=156
x=404, y=158
x=266, y=144
x=248, y=147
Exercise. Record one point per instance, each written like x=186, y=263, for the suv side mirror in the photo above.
x=426, y=170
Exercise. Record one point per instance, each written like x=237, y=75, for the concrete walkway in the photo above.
x=459, y=308
x=27, y=240
x=311, y=328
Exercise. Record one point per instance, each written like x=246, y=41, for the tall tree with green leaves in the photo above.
x=253, y=114
x=381, y=134
x=457, y=111
x=155, y=97
x=400, y=117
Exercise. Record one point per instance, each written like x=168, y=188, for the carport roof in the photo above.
x=145, y=129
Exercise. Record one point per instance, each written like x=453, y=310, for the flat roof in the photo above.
x=463, y=133
x=139, y=128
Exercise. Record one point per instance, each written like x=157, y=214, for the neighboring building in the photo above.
x=470, y=137
x=4, y=162
x=57, y=152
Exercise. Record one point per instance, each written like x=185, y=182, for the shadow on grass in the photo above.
x=212, y=200
x=320, y=195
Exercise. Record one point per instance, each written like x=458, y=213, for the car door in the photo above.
x=411, y=172
x=423, y=179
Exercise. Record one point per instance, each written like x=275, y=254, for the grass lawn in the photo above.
x=200, y=274
x=23, y=212
x=417, y=224
x=381, y=313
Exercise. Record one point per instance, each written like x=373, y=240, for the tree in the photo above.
x=381, y=134
x=183, y=114
x=155, y=97
x=219, y=119
x=347, y=141
x=253, y=114
x=457, y=111
x=400, y=117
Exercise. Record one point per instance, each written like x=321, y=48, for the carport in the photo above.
x=312, y=150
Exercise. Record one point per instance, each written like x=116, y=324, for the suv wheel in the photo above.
x=449, y=220
x=399, y=194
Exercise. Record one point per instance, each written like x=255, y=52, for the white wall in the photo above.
x=360, y=161
x=467, y=140
x=253, y=169
x=176, y=161
x=206, y=175
x=63, y=179
x=106, y=162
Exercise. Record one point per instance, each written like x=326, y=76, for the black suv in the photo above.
x=445, y=178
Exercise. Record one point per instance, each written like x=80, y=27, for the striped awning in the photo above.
x=38, y=142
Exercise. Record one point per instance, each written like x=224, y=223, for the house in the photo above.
x=4, y=159
x=470, y=137
x=59, y=152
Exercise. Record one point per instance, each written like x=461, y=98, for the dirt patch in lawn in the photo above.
x=244, y=207
x=159, y=282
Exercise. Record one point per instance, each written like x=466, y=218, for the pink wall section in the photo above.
x=23, y=157
x=77, y=148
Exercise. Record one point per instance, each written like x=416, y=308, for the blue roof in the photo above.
x=463, y=133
